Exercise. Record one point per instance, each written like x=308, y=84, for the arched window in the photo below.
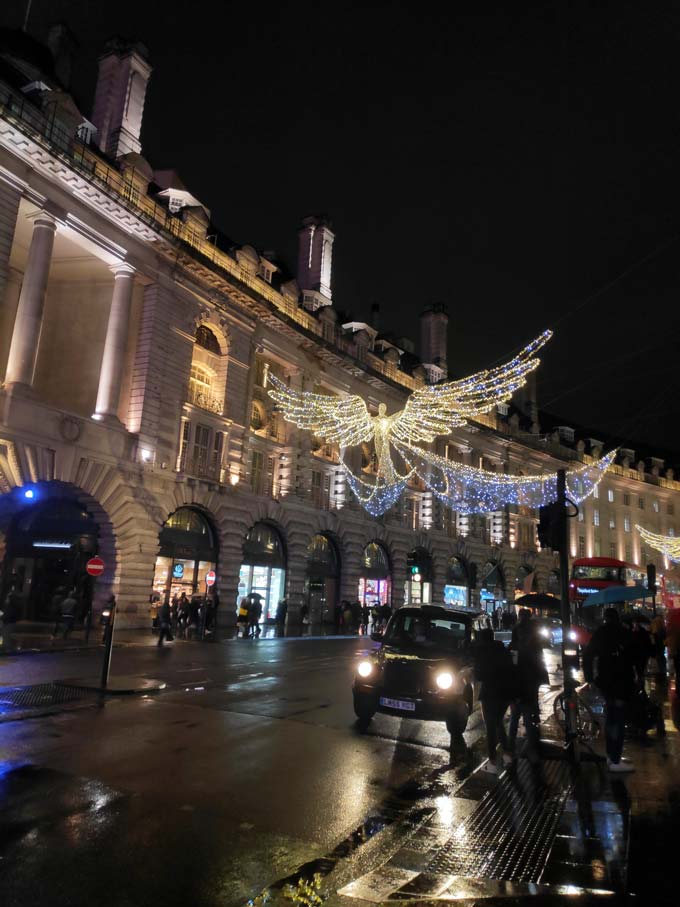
x=206, y=339
x=322, y=557
x=257, y=417
x=201, y=379
x=375, y=560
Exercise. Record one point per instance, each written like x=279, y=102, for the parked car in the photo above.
x=422, y=670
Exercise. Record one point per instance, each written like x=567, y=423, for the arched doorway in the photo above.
x=492, y=587
x=375, y=584
x=48, y=544
x=263, y=568
x=188, y=551
x=457, y=588
x=322, y=578
x=418, y=586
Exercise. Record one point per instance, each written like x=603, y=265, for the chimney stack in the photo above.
x=314, y=262
x=375, y=316
x=434, y=322
x=119, y=97
x=63, y=46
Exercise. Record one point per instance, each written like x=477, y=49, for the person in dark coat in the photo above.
x=164, y=623
x=527, y=646
x=642, y=648
x=280, y=617
x=254, y=615
x=608, y=663
x=496, y=672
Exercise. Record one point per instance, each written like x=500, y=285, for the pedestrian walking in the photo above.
x=658, y=630
x=182, y=616
x=69, y=610
x=164, y=624
x=280, y=617
x=254, y=614
x=365, y=617
x=154, y=606
x=642, y=648
x=608, y=663
x=527, y=646
x=495, y=671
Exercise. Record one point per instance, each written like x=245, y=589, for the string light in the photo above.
x=666, y=544
x=432, y=411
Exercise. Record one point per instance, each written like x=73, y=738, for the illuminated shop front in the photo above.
x=188, y=551
x=263, y=568
x=322, y=578
x=375, y=585
x=418, y=586
x=492, y=588
x=457, y=588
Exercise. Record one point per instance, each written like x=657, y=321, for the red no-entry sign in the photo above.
x=210, y=578
x=95, y=566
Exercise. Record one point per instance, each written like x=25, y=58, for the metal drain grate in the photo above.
x=42, y=695
x=509, y=835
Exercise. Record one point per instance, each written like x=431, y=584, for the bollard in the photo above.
x=108, y=645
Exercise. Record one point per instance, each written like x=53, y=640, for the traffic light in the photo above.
x=651, y=578
x=550, y=528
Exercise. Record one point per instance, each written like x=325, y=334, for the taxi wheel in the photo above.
x=364, y=711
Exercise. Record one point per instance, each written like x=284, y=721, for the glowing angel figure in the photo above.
x=429, y=412
x=666, y=544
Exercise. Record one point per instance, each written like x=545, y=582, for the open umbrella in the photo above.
x=613, y=594
x=539, y=600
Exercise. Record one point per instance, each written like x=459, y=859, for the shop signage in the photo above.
x=584, y=590
x=210, y=578
x=178, y=571
x=95, y=566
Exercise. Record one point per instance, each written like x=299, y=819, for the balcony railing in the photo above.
x=200, y=469
x=204, y=401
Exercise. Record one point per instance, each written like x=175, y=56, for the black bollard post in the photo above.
x=108, y=645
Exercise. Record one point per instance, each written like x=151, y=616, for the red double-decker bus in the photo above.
x=590, y=574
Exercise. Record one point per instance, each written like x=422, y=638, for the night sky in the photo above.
x=518, y=163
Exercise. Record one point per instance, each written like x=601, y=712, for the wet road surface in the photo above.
x=248, y=767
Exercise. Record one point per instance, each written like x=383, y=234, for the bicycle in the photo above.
x=589, y=717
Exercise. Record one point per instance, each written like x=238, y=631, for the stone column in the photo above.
x=113, y=359
x=23, y=351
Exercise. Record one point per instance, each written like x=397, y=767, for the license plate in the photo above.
x=402, y=704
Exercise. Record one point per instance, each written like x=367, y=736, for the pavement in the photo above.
x=247, y=781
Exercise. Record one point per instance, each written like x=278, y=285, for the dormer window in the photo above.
x=175, y=203
x=265, y=272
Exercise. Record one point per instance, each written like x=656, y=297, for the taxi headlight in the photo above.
x=572, y=635
x=364, y=669
x=545, y=632
x=444, y=680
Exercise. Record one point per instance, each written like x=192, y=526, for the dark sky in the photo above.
x=517, y=162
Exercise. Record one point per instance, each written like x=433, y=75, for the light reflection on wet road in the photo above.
x=249, y=766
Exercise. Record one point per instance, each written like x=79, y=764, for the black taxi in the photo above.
x=423, y=669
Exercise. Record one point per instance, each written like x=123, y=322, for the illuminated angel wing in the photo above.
x=666, y=544
x=341, y=420
x=438, y=409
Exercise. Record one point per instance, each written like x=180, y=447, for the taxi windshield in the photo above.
x=423, y=632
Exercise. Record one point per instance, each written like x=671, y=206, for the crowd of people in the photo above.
x=615, y=662
x=182, y=617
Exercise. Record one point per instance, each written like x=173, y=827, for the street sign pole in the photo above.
x=568, y=648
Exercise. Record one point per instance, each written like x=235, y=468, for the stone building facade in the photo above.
x=134, y=415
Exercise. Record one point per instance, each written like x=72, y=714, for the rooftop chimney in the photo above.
x=375, y=315
x=63, y=46
x=314, y=261
x=434, y=323
x=124, y=73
